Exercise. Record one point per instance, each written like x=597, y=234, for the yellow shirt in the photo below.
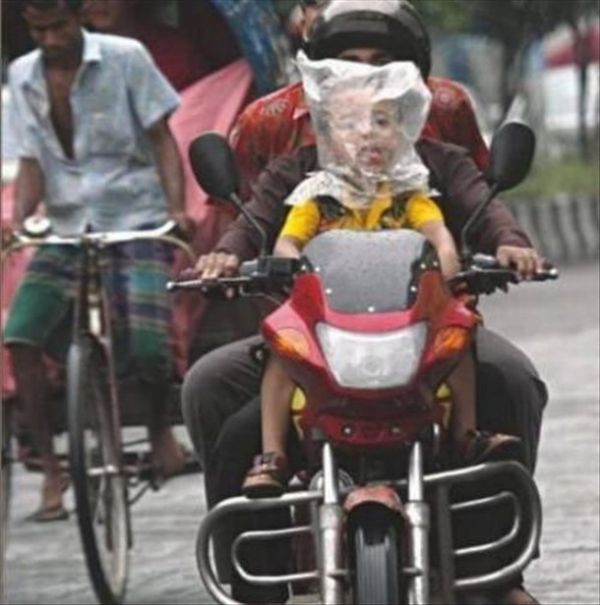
x=306, y=220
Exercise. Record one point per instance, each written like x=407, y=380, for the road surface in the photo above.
x=556, y=324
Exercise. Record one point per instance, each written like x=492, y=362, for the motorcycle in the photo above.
x=369, y=326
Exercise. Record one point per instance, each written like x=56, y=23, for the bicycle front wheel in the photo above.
x=95, y=456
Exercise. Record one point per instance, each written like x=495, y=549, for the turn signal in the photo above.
x=289, y=342
x=450, y=341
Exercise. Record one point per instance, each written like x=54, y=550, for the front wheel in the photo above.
x=98, y=482
x=377, y=565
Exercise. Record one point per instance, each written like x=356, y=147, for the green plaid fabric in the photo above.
x=134, y=276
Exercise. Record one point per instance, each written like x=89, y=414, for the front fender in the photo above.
x=374, y=494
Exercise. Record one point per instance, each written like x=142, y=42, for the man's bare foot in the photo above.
x=169, y=456
x=51, y=508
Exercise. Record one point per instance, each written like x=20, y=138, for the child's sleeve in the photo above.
x=302, y=222
x=421, y=209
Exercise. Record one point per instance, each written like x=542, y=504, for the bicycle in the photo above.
x=101, y=473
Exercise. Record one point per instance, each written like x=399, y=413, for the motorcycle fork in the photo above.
x=417, y=512
x=330, y=529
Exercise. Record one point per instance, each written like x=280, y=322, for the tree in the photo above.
x=577, y=15
x=515, y=24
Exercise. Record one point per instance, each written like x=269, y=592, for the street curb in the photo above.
x=564, y=228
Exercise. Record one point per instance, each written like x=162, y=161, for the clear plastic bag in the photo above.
x=366, y=120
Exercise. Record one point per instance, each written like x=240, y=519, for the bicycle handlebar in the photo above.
x=21, y=239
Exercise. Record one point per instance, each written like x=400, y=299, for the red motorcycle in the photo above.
x=369, y=327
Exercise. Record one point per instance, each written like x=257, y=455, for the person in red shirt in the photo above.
x=279, y=123
x=173, y=53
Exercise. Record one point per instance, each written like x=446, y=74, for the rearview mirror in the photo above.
x=214, y=166
x=216, y=171
x=511, y=154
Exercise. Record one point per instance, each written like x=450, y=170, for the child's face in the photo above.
x=364, y=134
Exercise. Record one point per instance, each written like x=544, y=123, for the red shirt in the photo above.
x=279, y=123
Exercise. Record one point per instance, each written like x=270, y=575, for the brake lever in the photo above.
x=480, y=280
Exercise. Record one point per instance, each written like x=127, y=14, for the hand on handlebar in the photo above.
x=216, y=264
x=525, y=261
x=212, y=266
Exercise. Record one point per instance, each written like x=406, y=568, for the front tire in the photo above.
x=377, y=562
x=95, y=457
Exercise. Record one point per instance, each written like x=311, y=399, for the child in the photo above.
x=373, y=179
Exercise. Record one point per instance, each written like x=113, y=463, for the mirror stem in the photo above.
x=234, y=197
x=465, y=250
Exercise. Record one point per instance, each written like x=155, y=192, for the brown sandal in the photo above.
x=48, y=515
x=267, y=478
x=480, y=446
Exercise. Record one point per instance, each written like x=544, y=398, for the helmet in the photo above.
x=392, y=25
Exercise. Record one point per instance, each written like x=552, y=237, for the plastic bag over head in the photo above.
x=367, y=119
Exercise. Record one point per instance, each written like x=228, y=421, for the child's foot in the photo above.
x=480, y=446
x=267, y=478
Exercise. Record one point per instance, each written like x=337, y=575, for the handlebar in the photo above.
x=484, y=275
x=269, y=274
x=265, y=275
x=164, y=233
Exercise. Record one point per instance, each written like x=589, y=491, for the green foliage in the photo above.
x=505, y=20
x=446, y=15
x=567, y=175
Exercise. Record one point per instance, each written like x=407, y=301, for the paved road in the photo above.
x=556, y=324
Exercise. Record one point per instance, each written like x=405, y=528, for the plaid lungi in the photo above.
x=134, y=276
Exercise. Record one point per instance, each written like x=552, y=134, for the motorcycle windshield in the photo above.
x=366, y=271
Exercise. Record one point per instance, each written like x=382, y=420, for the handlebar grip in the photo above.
x=549, y=272
x=190, y=284
x=488, y=262
x=212, y=288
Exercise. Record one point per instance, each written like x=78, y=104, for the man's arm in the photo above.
x=170, y=169
x=29, y=190
x=464, y=188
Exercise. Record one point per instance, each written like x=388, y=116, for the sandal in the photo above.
x=267, y=478
x=480, y=446
x=47, y=515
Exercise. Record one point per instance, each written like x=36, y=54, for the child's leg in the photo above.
x=268, y=475
x=470, y=445
x=276, y=396
x=462, y=385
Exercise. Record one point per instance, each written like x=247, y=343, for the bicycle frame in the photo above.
x=105, y=503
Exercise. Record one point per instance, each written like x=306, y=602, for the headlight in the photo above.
x=372, y=361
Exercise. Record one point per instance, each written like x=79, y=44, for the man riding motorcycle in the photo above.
x=511, y=397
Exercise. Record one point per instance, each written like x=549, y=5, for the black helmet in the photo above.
x=392, y=25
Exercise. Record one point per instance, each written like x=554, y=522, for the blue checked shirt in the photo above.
x=112, y=182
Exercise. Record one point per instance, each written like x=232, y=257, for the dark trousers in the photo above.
x=222, y=414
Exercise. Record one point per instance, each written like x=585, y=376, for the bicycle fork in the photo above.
x=92, y=317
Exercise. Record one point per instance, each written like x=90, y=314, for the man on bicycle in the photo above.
x=90, y=113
